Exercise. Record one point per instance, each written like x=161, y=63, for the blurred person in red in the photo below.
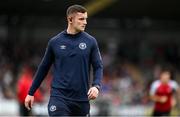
x=162, y=92
x=23, y=84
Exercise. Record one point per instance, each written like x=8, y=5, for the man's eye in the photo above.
x=81, y=19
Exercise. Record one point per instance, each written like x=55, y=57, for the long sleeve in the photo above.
x=43, y=69
x=97, y=65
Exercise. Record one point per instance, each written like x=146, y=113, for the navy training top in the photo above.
x=72, y=57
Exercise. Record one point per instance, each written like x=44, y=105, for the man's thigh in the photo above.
x=80, y=108
x=58, y=107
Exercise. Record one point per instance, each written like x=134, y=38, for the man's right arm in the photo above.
x=41, y=72
x=153, y=96
x=161, y=99
x=43, y=69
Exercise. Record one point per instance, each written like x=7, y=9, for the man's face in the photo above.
x=165, y=77
x=79, y=21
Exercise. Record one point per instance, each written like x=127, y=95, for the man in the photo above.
x=72, y=52
x=162, y=93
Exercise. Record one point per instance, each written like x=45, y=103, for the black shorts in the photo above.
x=158, y=113
x=61, y=107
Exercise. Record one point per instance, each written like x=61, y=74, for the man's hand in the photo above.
x=29, y=100
x=93, y=93
x=163, y=99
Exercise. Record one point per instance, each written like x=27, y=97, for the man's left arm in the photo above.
x=97, y=65
x=176, y=93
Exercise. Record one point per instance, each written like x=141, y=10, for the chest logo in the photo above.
x=82, y=46
x=52, y=108
x=62, y=47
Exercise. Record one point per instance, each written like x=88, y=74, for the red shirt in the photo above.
x=23, y=86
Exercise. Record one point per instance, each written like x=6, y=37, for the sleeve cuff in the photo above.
x=98, y=87
x=30, y=93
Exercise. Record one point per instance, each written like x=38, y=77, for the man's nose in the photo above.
x=85, y=22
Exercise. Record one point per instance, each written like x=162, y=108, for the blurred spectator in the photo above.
x=7, y=82
x=23, y=84
x=162, y=93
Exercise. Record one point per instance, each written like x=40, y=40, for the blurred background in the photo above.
x=136, y=37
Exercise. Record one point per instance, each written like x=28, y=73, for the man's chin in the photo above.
x=81, y=30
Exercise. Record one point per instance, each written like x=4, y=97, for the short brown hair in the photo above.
x=169, y=69
x=75, y=8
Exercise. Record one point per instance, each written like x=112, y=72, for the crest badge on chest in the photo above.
x=82, y=46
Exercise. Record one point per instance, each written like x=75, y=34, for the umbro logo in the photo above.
x=62, y=47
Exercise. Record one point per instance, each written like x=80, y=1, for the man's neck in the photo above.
x=72, y=31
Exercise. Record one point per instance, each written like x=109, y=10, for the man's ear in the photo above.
x=69, y=19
